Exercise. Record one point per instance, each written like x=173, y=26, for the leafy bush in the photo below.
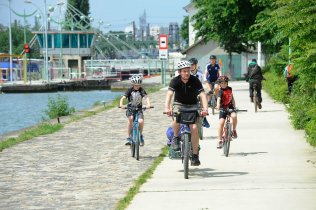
x=276, y=86
x=58, y=107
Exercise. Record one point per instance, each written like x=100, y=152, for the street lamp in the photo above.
x=10, y=40
x=45, y=35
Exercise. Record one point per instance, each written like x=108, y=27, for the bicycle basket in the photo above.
x=186, y=117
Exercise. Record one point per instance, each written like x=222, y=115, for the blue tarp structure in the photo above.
x=6, y=65
x=32, y=67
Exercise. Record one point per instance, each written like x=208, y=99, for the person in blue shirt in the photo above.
x=212, y=72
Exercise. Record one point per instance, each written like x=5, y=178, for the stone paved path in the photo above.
x=84, y=166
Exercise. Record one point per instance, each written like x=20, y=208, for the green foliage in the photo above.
x=17, y=31
x=184, y=29
x=227, y=22
x=84, y=7
x=58, y=107
x=276, y=86
x=42, y=129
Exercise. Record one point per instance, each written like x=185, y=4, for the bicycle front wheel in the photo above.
x=227, y=139
x=137, y=143
x=200, y=128
x=186, y=154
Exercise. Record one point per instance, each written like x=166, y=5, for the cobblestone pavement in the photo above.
x=84, y=166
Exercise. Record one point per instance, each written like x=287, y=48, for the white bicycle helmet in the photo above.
x=136, y=79
x=183, y=64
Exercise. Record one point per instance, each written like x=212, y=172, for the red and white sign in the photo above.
x=163, y=42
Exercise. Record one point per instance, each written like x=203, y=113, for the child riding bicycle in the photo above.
x=225, y=100
x=135, y=94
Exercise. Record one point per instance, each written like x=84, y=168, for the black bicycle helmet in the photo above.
x=212, y=57
x=193, y=61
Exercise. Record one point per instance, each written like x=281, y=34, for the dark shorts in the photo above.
x=140, y=115
x=223, y=114
x=177, y=106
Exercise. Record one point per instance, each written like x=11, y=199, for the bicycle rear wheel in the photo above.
x=213, y=104
x=186, y=154
x=255, y=100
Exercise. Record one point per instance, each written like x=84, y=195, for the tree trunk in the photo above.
x=230, y=65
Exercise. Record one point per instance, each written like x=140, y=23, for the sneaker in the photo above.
x=195, y=160
x=220, y=144
x=175, y=143
x=128, y=141
x=205, y=123
x=251, y=99
x=142, y=141
x=259, y=106
x=235, y=134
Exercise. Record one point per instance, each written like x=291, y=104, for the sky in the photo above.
x=115, y=14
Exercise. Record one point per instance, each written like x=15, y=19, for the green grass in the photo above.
x=124, y=202
x=41, y=129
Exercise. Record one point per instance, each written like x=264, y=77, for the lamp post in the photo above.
x=45, y=35
x=10, y=40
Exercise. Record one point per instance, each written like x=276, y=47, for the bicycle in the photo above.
x=212, y=102
x=228, y=130
x=136, y=134
x=186, y=116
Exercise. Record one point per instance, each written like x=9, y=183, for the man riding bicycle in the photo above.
x=254, y=76
x=212, y=72
x=185, y=89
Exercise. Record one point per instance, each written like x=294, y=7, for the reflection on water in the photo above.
x=18, y=111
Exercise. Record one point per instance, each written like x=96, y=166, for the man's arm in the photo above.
x=203, y=98
x=168, y=101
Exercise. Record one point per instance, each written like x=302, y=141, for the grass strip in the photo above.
x=124, y=202
x=41, y=129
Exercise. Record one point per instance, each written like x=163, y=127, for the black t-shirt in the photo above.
x=186, y=93
x=135, y=96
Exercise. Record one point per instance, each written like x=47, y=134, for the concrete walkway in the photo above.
x=270, y=167
x=87, y=166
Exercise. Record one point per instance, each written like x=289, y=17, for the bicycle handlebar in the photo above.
x=136, y=108
x=232, y=110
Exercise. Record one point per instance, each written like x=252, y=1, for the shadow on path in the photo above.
x=246, y=153
x=209, y=172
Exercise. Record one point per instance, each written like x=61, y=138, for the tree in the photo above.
x=184, y=29
x=82, y=6
x=227, y=22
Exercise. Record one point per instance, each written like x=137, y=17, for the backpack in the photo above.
x=287, y=71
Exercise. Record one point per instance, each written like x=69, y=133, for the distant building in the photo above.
x=174, y=36
x=154, y=32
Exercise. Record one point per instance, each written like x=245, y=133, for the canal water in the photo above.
x=18, y=111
